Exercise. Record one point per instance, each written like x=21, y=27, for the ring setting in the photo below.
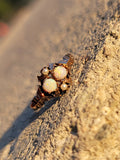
x=54, y=81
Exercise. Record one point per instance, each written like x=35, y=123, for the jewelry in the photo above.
x=54, y=81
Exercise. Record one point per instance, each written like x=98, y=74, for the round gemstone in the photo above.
x=60, y=72
x=64, y=86
x=45, y=71
x=49, y=85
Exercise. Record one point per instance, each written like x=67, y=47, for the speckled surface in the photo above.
x=84, y=123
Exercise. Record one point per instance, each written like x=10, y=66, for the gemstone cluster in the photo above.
x=54, y=81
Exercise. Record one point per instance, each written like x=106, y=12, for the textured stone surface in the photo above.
x=84, y=123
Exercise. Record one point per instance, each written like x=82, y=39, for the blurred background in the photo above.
x=32, y=35
x=8, y=10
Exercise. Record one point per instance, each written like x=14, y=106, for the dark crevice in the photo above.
x=113, y=35
x=102, y=133
x=74, y=129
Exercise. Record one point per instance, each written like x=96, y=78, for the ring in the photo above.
x=54, y=81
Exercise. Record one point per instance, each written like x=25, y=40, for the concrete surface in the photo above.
x=83, y=124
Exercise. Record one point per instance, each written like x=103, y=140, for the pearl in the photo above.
x=64, y=86
x=49, y=85
x=45, y=71
x=60, y=72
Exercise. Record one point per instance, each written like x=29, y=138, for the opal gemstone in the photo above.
x=45, y=71
x=64, y=86
x=60, y=72
x=49, y=85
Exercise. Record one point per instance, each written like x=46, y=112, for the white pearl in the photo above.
x=60, y=72
x=64, y=86
x=45, y=71
x=49, y=85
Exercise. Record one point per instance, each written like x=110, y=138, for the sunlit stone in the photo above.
x=60, y=72
x=64, y=86
x=45, y=71
x=49, y=85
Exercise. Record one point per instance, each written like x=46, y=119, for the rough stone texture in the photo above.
x=84, y=123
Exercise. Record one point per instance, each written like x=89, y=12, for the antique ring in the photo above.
x=54, y=81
